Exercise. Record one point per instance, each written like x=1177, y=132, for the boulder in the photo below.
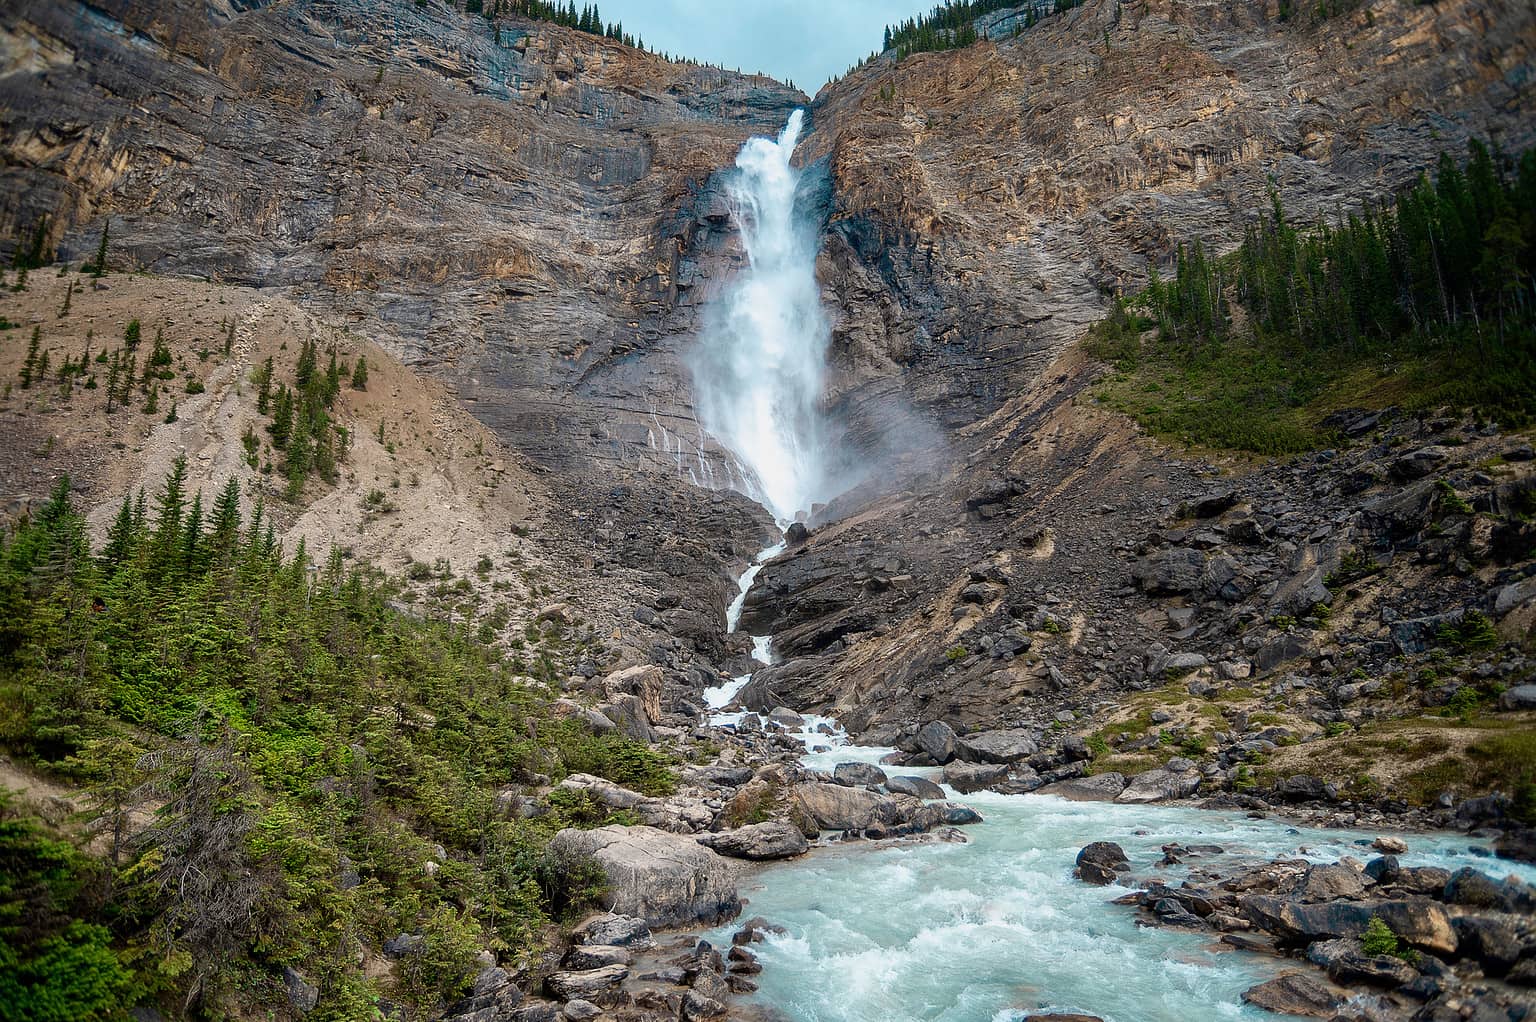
x=917, y=787
x=1491, y=941
x=968, y=777
x=644, y=681
x=1328, y=883
x=1390, y=845
x=835, y=807
x=302, y=994
x=1008, y=746
x=1160, y=785
x=1099, y=862
x=665, y=879
x=1296, y=993
x=1421, y=923
x=1304, y=788
x=786, y=718
x=1420, y=463
x=604, y=791
x=595, y=956
x=581, y=1011
x=614, y=930
x=1521, y=697
x=1170, y=572
x=937, y=739
x=1473, y=889
x=1345, y=962
x=775, y=839
x=857, y=774
x=494, y=995
x=594, y=720
x=628, y=714
x=1093, y=788
x=587, y=984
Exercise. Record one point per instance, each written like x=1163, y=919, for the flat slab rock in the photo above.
x=1296, y=993
x=1160, y=785
x=1093, y=788
x=665, y=879
x=774, y=839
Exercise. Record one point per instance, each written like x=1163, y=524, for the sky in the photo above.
x=806, y=41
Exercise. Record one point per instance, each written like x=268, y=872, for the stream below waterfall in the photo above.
x=998, y=928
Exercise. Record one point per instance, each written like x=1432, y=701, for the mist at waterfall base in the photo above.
x=760, y=365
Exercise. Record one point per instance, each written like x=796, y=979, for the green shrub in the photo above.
x=1378, y=938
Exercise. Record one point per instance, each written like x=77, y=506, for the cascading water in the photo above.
x=995, y=928
x=758, y=369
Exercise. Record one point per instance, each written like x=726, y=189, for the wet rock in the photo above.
x=857, y=774
x=786, y=718
x=968, y=777
x=1101, y=861
x=917, y=787
x=1421, y=923
x=1007, y=746
x=1328, y=883
x=1297, y=993
x=697, y=1006
x=937, y=739
x=1103, y=787
x=774, y=839
x=665, y=879
x=1390, y=845
x=1474, y=889
x=836, y=807
x=1492, y=942
x=1160, y=785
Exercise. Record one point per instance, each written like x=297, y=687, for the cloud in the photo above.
x=804, y=41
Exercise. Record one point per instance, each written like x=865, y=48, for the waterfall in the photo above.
x=759, y=366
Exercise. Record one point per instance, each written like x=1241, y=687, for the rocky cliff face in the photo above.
x=985, y=202
x=987, y=199
x=535, y=217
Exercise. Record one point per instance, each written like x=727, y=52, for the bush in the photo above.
x=1378, y=938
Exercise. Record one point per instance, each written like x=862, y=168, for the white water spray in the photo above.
x=759, y=367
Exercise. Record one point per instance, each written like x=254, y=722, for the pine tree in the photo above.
x=224, y=528
x=304, y=372
x=152, y=403
x=281, y=427
x=122, y=537
x=360, y=374
x=332, y=380
x=29, y=366
x=100, y=269
x=170, y=507
x=264, y=386
x=69, y=295
x=192, y=538
x=132, y=334
x=114, y=373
